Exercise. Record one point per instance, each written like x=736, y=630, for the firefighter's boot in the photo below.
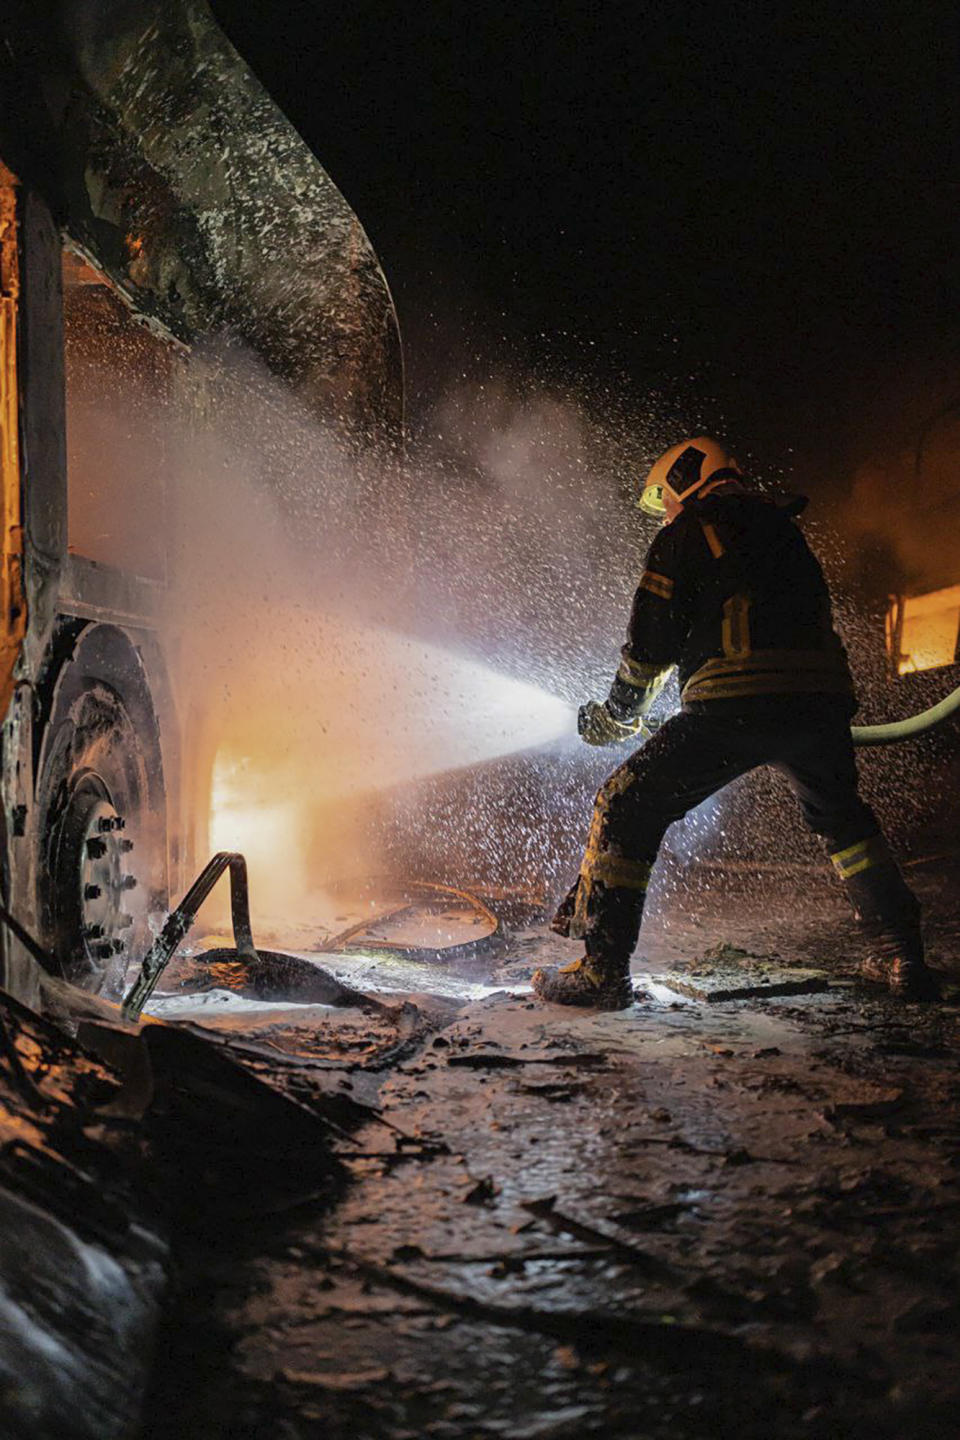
x=591, y=982
x=889, y=918
x=603, y=908
x=897, y=961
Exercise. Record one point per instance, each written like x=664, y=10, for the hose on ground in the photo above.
x=906, y=729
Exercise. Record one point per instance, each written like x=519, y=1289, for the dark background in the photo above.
x=760, y=202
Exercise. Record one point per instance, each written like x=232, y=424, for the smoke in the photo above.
x=376, y=662
x=347, y=631
x=896, y=498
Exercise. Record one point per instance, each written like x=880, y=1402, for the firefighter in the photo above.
x=733, y=597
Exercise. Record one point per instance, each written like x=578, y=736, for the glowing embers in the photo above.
x=923, y=631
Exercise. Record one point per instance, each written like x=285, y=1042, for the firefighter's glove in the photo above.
x=598, y=726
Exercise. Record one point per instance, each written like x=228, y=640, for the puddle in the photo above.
x=182, y=1007
x=384, y=974
x=389, y=977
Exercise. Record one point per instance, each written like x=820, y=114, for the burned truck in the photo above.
x=156, y=208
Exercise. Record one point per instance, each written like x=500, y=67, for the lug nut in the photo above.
x=105, y=950
x=124, y=921
x=92, y=892
x=106, y=823
x=96, y=849
x=126, y=846
x=128, y=882
x=92, y=932
x=119, y=946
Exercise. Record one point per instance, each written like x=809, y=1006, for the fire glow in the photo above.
x=923, y=631
x=395, y=710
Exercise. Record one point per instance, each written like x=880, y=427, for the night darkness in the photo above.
x=756, y=201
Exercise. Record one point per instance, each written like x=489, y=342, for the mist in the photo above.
x=377, y=659
x=346, y=630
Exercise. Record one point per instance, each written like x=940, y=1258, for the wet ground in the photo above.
x=698, y=1217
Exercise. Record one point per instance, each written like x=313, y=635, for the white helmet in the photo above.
x=683, y=471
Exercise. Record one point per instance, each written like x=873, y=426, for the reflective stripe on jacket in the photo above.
x=733, y=596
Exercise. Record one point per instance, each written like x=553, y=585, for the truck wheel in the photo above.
x=101, y=822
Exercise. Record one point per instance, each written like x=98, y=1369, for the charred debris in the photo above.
x=388, y=1215
x=116, y=1143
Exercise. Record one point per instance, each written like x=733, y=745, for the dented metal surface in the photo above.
x=156, y=202
x=172, y=165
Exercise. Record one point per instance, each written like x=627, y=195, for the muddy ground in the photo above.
x=694, y=1218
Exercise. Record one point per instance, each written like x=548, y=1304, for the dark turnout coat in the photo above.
x=733, y=596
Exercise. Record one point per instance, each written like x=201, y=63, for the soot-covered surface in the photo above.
x=84, y=1243
x=690, y=1219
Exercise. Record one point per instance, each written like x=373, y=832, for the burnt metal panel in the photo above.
x=169, y=162
x=43, y=422
x=12, y=604
x=96, y=591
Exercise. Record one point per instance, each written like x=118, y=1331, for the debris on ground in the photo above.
x=84, y=1250
x=734, y=1217
x=730, y=979
x=464, y=1214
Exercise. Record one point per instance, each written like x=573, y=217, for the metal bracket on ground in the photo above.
x=179, y=921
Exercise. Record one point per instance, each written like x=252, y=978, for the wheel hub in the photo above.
x=93, y=876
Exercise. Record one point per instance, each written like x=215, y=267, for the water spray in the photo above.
x=375, y=711
x=890, y=733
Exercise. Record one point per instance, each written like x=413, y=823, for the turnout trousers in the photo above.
x=693, y=755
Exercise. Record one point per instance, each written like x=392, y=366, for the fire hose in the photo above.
x=914, y=725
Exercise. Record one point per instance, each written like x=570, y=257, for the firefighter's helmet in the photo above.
x=684, y=470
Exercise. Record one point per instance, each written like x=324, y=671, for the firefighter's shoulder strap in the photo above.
x=735, y=590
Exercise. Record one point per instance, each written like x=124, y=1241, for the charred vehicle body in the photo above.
x=155, y=207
